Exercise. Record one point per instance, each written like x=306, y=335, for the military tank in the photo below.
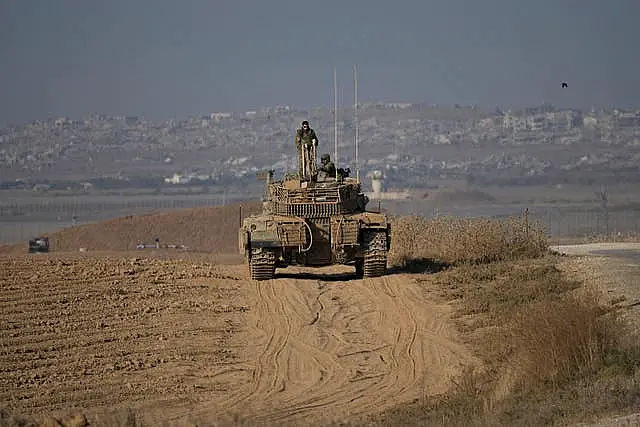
x=313, y=223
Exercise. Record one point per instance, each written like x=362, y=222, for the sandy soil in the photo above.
x=185, y=336
x=182, y=339
x=613, y=269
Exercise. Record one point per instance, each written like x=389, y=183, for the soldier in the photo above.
x=327, y=166
x=306, y=143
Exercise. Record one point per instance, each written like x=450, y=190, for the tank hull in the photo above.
x=315, y=226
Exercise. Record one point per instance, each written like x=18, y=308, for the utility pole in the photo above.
x=355, y=117
x=335, y=118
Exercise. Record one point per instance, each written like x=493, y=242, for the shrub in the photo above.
x=565, y=339
x=464, y=240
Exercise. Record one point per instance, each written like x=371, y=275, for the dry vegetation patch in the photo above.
x=453, y=240
x=554, y=352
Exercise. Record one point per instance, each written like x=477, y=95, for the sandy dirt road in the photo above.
x=338, y=348
x=613, y=269
x=181, y=339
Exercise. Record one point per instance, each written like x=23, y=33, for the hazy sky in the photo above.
x=170, y=58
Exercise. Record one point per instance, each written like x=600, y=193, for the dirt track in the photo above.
x=614, y=269
x=182, y=339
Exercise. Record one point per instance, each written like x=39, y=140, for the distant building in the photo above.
x=399, y=105
x=62, y=121
x=220, y=116
x=514, y=123
x=131, y=120
x=41, y=187
x=487, y=123
x=376, y=182
x=622, y=119
x=537, y=122
x=177, y=179
x=590, y=121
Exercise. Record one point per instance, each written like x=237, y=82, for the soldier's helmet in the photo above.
x=325, y=158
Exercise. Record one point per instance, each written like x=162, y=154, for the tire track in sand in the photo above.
x=344, y=349
x=271, y=330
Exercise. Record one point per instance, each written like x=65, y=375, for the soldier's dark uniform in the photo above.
x=306, y=140
x=327, y=166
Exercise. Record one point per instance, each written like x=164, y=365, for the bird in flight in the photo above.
x=564, y=84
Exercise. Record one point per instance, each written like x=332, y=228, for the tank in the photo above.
x=313, y=223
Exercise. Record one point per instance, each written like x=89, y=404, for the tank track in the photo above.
x=375, y=256
x=262, y=264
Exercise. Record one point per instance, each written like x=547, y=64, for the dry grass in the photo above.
x=116, y=417
x=462, y=240
x=554, y=353
x=560, y=340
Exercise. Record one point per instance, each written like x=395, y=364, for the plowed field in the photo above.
x=187, y=339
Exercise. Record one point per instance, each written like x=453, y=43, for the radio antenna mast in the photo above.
x=335, y=118
x=355, y=117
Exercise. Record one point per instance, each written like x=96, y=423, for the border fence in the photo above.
x=21, y=219
x=586, y=223
x=572, y=221
x=25, y=218
x=82, y=206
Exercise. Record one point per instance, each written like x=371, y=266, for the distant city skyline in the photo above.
x=163, y=59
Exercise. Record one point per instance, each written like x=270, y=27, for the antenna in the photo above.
x=335, y=118
x=355, y=117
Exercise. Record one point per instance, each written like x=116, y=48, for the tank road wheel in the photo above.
x=375, y=254
x=262, y=264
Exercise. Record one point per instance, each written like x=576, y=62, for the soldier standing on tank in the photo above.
x=306, y=143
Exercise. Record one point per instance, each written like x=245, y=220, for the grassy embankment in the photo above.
x=554, y=351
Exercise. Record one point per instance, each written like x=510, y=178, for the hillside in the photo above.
x=414, y=144
x=208, y=229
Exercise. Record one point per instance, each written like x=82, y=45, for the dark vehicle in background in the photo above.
x=39, y=244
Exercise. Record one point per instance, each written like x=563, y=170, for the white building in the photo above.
x=177, y=179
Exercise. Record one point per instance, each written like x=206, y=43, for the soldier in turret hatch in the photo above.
x=327, y=167
x=307, y=144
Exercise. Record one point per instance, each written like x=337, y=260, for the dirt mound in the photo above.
x=209, y=229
